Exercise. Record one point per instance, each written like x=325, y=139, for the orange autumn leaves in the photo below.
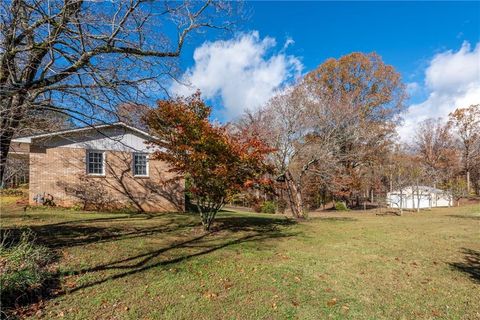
x=218, y=160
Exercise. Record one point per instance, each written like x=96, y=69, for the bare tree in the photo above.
x=466, y=121
x=282, y=125
x=82, y=58
x=404, y=174
x=436, y=150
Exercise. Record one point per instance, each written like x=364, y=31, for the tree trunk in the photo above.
x=207, y=212
x=418, y=198
x=468, y=182
x=10, y=116
x=364, y=201
x=5, y=141
x=401, y=201
x=294, y=195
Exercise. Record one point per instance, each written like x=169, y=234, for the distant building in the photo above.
x=412, y=197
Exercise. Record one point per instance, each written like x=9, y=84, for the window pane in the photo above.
x=95, y=162
x=140, y=164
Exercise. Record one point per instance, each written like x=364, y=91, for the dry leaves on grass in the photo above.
x=436, y=313
x=210, y=295
x=332, y=302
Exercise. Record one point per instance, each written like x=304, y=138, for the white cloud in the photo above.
x=452, y=80
x=243, y=73
x=412, y=87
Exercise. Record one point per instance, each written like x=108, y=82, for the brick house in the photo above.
x=103, y=167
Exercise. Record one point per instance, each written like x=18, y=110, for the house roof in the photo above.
x=423, y=189
x=28, y=139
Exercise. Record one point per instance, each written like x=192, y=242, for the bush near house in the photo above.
x=17, y=192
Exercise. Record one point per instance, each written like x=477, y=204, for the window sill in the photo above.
x=96, y=175
x=141, y=177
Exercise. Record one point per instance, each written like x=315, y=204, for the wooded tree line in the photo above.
x=334, y=135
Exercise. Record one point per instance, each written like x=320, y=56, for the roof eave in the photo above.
x=28, y=139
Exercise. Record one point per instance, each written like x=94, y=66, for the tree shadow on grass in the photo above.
x=252, y=223
x=227, y=231
x=63, y=236
x=470, y=265
x=224, y=234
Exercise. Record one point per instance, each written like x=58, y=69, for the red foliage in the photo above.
x=217, y=161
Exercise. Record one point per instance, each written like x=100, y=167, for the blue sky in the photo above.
x=408, y=35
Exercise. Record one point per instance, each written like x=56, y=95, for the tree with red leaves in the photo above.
x=217, y=161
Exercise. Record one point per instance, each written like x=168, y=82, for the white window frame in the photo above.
x=88, y=163
x=147, y=164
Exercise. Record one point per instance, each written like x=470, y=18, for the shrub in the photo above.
x=255, y=203
x=257, y=207
x=23, y=268
x=282, y=205
x=15, y=192
x=341, y=206
x=268, y=207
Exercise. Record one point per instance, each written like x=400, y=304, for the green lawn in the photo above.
x=252, y=266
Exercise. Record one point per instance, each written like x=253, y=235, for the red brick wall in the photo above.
x=61, y=172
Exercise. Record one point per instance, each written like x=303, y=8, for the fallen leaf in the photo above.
x=436, y=313
x=332, y=302
x=210, y=295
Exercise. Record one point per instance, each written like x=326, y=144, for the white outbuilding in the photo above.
x=413, y=197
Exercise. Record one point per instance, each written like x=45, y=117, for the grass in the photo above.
x=255, y=266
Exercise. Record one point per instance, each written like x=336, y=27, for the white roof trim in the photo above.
x=423, y=189
x=28, y=139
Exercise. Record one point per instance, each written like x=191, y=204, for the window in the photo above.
x=96, y=163
x=140, y=164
